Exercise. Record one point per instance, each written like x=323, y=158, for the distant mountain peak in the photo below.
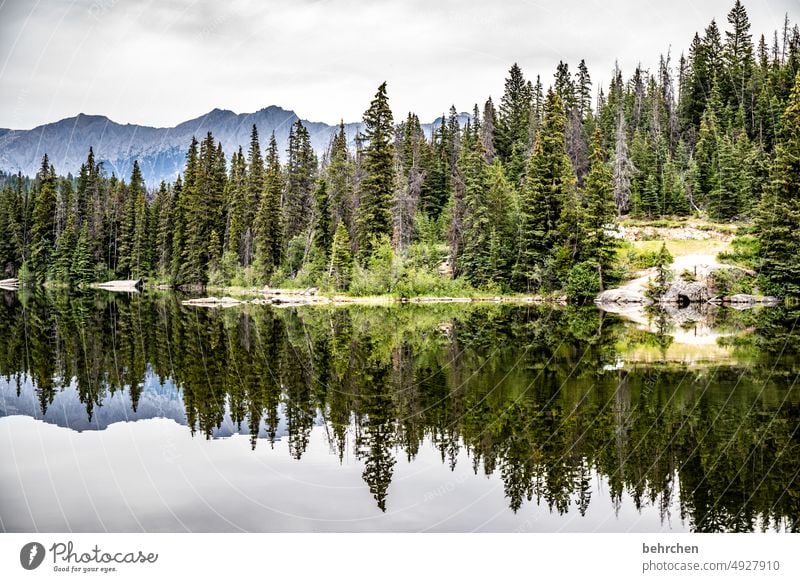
x=161, y=151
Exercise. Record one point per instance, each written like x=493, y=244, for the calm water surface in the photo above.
x=136, y=413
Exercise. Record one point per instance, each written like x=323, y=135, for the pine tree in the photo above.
x=239, y=200
x=61, y=266
x=488, y=130
x=473, y=259
x=437, y=188
x=707, y=185
x=778, y=217
x=185, y=266
x=43, y=220
x=513, y=117
x=374, y=217
x=301, y=169
x=738, y=58
x=268, y=226
x=255, y=171
x=162, y=226
x=644, y=184
x=323, y=222
x=501, y=200
x=599, y=247
x=341, y=259
x=413, y=161
x=339, y=174
x=623, y=167
x=549, y=183
x=583, y=92
x=140, y=256
x=82, y=269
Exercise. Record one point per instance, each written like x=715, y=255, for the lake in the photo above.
x=138, y=413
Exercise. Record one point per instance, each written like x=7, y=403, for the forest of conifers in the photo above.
x=523, y=196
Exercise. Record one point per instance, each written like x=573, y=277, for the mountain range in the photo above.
x=161, y=151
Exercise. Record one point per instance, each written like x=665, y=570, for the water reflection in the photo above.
x=549, y=400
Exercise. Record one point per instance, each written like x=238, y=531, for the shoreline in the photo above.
x=236, y=296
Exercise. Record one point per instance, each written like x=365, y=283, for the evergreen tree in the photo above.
x=488, y=130
x=473, y=259
x=339, y=175
x=583, y=92
x=549, y=183
x=301, y=169
x=61, y=266
x=239, y=201
x=374, y=218
x=186, y=267
x=778, y=218
x=323, y=221
x=623, y=167
x=565, y=87
x=513, y=117
x=341, y=259
x=82, y=269
x=43, y=220
x=599, y=247
x=738, y=58
x=268, y=226
x=162, y=225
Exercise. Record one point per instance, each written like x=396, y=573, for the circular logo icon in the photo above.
x=31, y=555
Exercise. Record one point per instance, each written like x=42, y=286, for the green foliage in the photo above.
x=584, y=281
x=512, y=199
x=732, y=281
x=661, y=282
x=778, y=218
x=744, y=252
x=373, y=219
x=341, y=263
x=549, y=184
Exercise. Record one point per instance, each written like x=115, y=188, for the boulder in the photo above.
x=622, y=296
x=745, y=299
x=685, y=292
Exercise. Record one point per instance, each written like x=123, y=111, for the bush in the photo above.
x=583, y=281
x=744, y=252
x=733, y=281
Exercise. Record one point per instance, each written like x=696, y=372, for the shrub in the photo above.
x=583, y=281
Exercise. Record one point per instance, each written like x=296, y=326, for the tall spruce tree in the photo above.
x=598, y=246
x=549, y=183
x=301, y=170
x=513, y=117
x=778, y=218
x=268, y=225
x=339, y=175
x=374, y=216
x=43, y=220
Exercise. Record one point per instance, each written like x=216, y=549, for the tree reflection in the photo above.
x=532, y=394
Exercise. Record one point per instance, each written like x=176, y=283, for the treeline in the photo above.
x=522, y=196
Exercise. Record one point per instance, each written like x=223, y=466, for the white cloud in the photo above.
x=161, y=62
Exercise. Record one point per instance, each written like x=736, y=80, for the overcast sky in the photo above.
x=160, y=62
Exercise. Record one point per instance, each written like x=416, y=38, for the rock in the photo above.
x=212, y=302
x=745, y=299
x=683, y=292
x=127, y=286
x=621, y=297
x=310, y=291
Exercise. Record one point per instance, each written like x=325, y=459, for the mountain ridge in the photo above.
x=160, y=151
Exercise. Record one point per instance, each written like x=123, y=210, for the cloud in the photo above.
x=160, y=62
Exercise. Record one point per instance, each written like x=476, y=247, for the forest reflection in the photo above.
x=544, y=397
